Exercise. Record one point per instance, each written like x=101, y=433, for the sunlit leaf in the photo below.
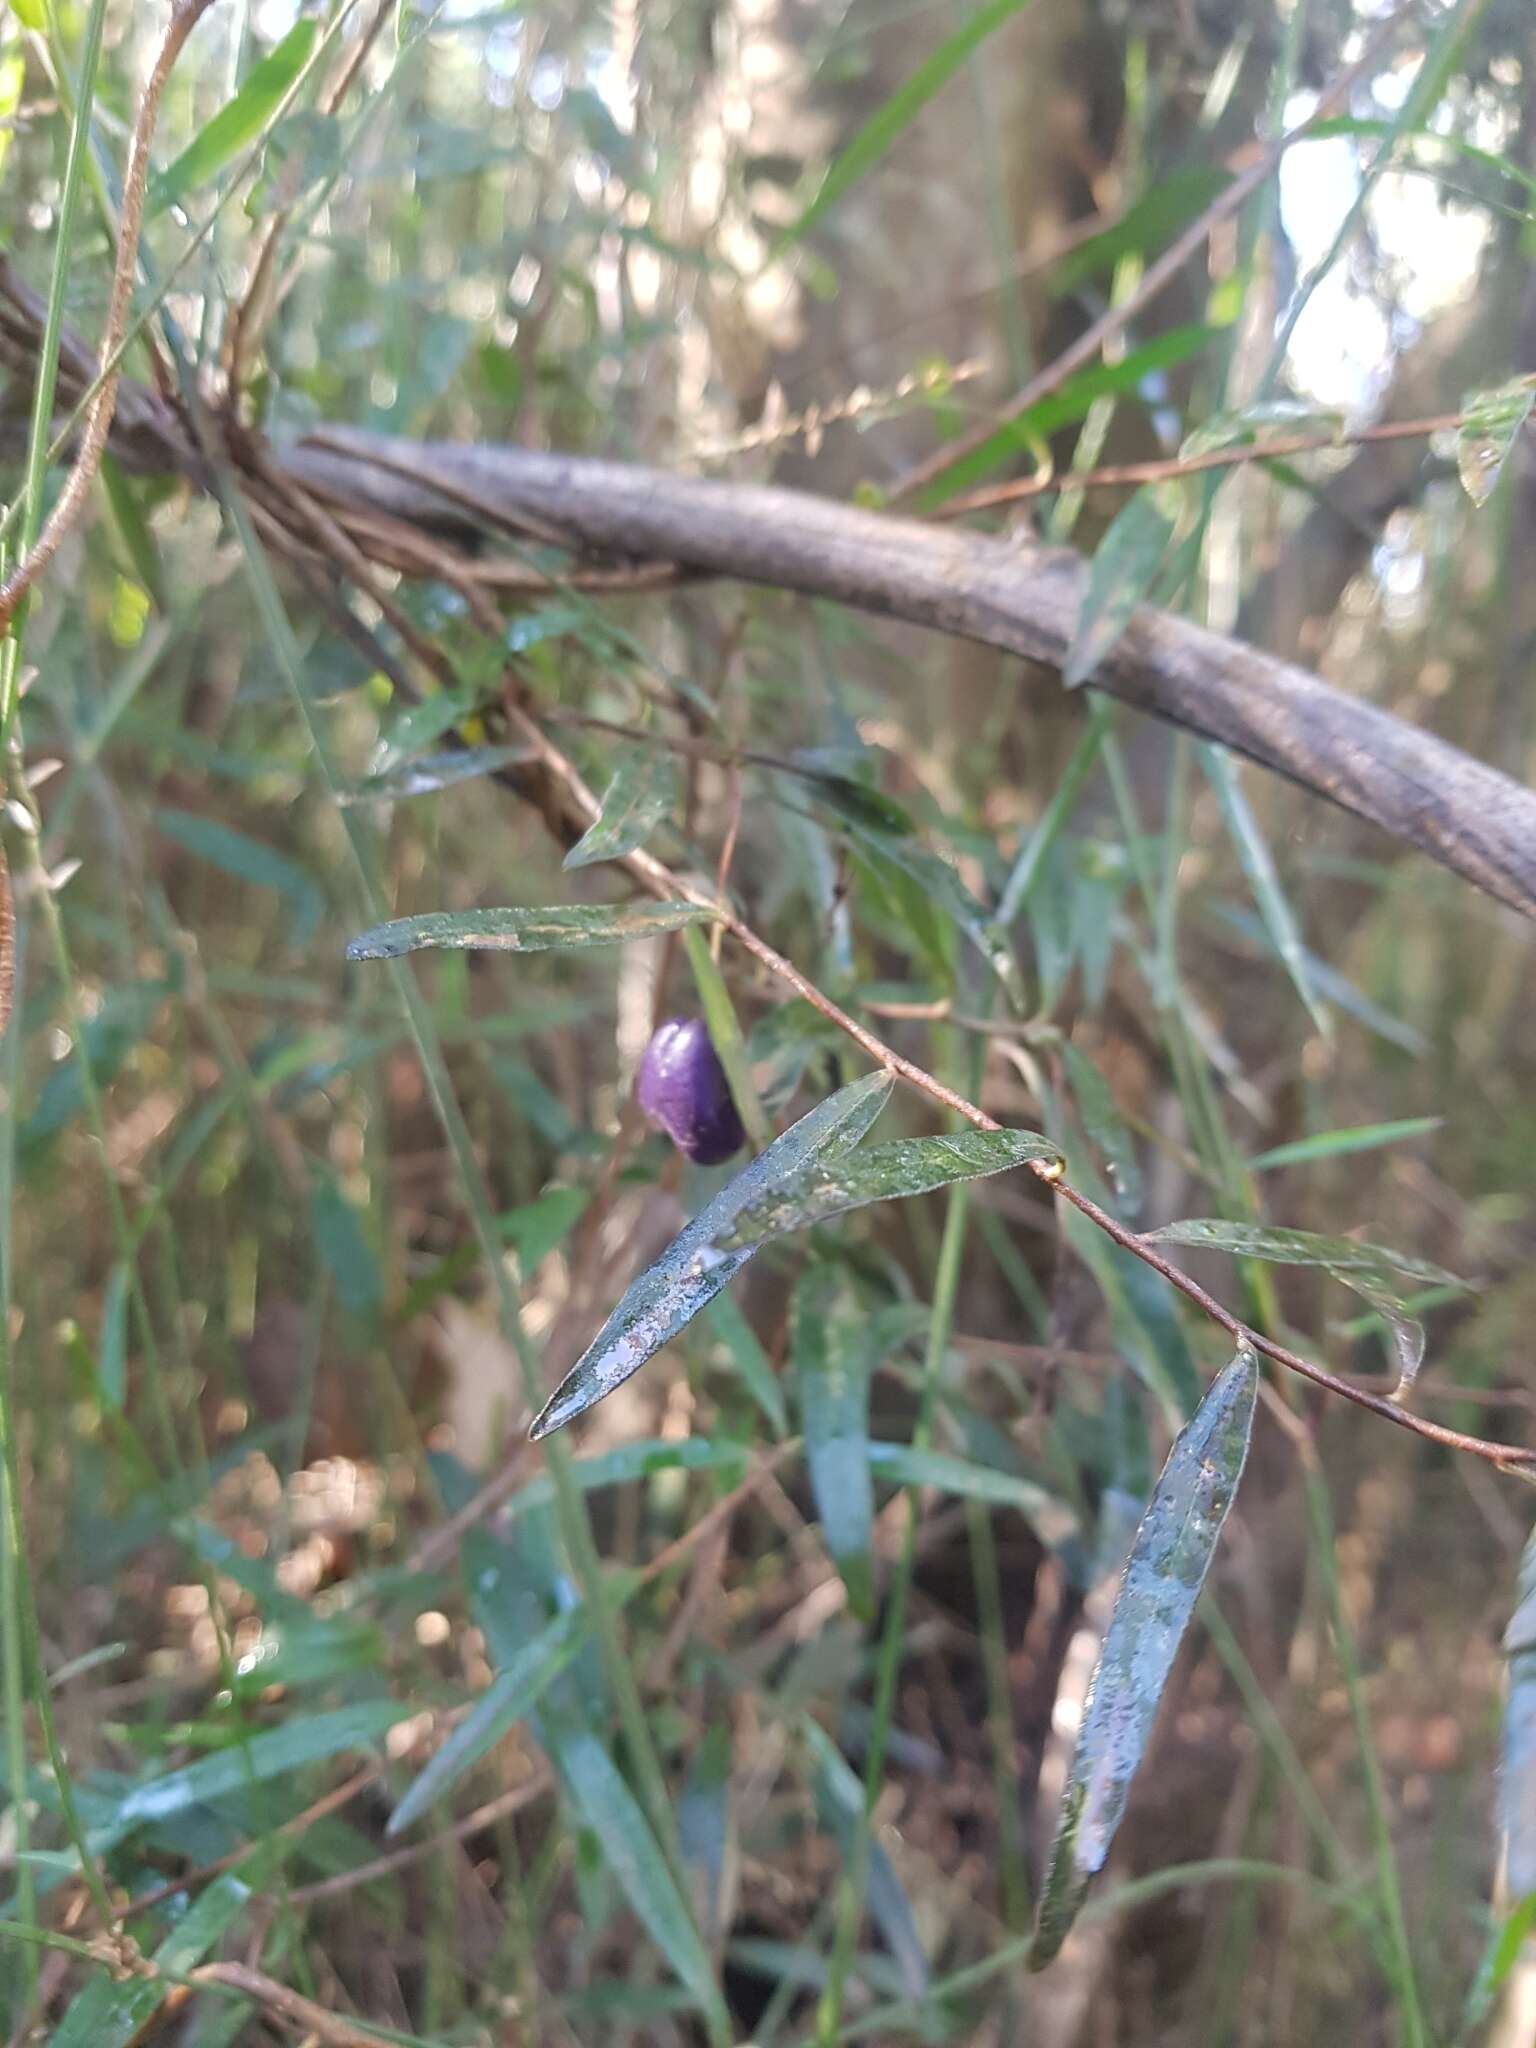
x=425, y=778
x=517, y=1687
x=274, y=1753
x=1258, y=865
x=1493, y=420
x=238, y=123
x=1270, y=418
x=1120, y=577
x=635, y=802
x=1157, y=1595
x=891, y=119
x=693, y=1268
x=832, y=1352
x=1333, y=1144
x=608, y=1807
x=533, y=930
x=1299, y=1248
x=882, y=1173
x=1105, y=1126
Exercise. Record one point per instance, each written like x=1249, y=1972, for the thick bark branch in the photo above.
x=1471, y=818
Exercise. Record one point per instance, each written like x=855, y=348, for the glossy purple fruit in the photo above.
x=682, y=1090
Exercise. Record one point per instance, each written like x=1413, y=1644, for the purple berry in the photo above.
x=683, y=1091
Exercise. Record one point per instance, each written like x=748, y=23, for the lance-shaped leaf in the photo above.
x=882, y=1173
x=1157, y=1595
x=1258, y=865
x=694, y=1268
x=1120, y=577
x=1517, y=1775
x=1342, y=1255
x=632, y=1854
x=830, y=1343
x=428, y=776
x=239, y=121
x=516, y=1688
x=839, y=1796
x=1407, y=1331
x=1493, y=419
x=634, y=804
x=1105, y=1126
x=532, y=930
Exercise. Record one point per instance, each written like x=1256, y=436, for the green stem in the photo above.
x=571, y=1511
x=855, y=1882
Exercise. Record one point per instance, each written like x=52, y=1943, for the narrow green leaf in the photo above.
x=725, y=1035
x=134, y=531
x=516, y=1688
x=304, y=1739
x=422, y=725
x=1120, y=577
x=829, y=1342
x=1171, y=204
x=840, y=1809
x=112, y=1350
x=344, y=1249
x=1105, y=1126
x=1406, y=1329
x=1333, y=1144
x=889, y=121
x=302, y=152
x=1483, y=442
x=909, y=1465
x=238, y=123
x=1157, y=1595
x=112, y=2012
x=1074, y=399
x=1389, y=131
x=750, y=1360
x=608, y=1807
x=248, y=860
x=635, y=802
x=32, y=14
x=532, y=930
x=425, y=778
x=1299, y=1248
x=1259, y=866
x=640, y=1458
x=693, y=1268
x=882, y=1173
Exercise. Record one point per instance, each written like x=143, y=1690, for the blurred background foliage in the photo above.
x=257, y=1363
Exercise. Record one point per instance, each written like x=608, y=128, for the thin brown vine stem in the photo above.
x=662, y=882
x=1172, y=467
x=1156, y=279
x=185, y=16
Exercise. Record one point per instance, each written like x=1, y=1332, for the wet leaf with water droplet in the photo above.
x=1161, y=1584
x=694, y=1268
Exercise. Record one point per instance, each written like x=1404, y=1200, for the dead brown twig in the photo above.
x=185, y=16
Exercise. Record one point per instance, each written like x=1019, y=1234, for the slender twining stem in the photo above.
x=98, y=421
x=660, y=881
